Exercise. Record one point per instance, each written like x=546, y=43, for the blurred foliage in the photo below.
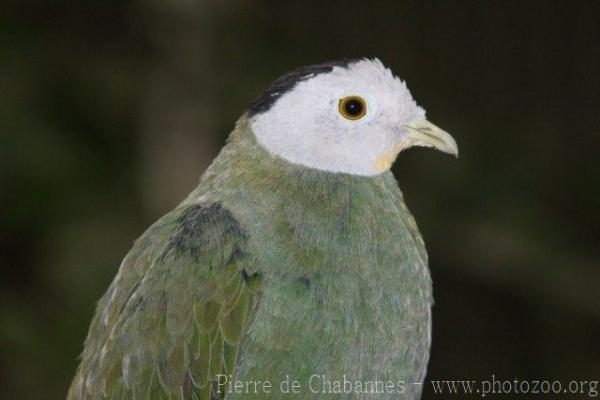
x=109, y=112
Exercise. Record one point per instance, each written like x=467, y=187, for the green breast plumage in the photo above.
x=344, y=291
x=347, y=286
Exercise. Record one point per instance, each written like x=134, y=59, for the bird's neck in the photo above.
x=244, y=166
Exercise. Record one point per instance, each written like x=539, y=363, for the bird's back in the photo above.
x=268, y=272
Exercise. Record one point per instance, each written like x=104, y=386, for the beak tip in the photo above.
x=452, y=147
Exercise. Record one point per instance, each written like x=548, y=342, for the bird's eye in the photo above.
x=353, y=107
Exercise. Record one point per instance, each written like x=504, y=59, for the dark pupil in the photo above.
x=353, y=107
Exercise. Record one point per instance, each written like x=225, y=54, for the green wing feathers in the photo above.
x=173, y=318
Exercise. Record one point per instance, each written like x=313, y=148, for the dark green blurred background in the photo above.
x=111, y=110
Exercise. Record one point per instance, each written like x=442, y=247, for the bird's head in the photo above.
x=351, y=116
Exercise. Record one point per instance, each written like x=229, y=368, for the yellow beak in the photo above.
x=424, y=133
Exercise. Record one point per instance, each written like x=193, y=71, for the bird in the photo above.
x=293, y=270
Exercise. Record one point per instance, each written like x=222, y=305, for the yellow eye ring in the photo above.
x=353, y=107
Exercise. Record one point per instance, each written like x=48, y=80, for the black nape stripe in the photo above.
x=288, y=81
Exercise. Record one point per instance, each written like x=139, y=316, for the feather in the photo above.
x=158, y=330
